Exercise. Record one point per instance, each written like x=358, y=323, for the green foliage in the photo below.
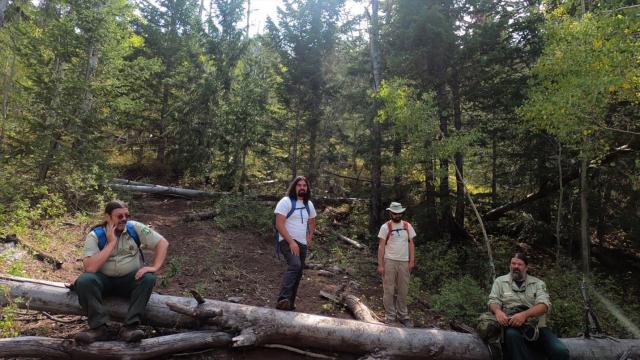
x=461, y=299
x=435, y=263
x=175, y=266
x=567, y=316
x=588, y=64
x=8, y=326
x=240, y=213
x=17, y=268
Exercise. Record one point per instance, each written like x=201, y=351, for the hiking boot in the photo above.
x=131, y=334
x=283, y=304
x=388, y=321
x=408, y=323
x=91, y=335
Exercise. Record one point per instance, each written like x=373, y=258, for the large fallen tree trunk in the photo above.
x=133, y=186
x=549, y=189
x=259, y=326
x=51, y=348
x=164, y=190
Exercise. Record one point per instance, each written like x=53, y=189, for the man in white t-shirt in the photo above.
x=396, y=260
x=295, y=222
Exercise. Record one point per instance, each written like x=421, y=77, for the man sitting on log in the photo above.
x=114, y=265
x=396, y=260
x=518, y=303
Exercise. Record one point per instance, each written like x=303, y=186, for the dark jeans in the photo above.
x=516, y=347
x=293, y=274
x=93, y=287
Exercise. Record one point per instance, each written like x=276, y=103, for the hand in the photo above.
x=309, y=240
x=111, y=232
x=295, y=249
x=518, y=319
x=144, y=270
x=381, y=270
x=502, y=318
x=411, y=266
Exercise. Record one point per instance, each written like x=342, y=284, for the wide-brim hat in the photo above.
x=396, y=207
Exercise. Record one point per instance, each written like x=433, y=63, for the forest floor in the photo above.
x=235, y=266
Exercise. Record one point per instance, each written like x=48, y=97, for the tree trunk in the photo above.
x=294, y=150
x=560, y=205
x=458, y=157
x=584, y=216
x=445, y=204
x=152, y=348
x=375, y=205
x=259, y=326
x=3, y=7
x=494, y=171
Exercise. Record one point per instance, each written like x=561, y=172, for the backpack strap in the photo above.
x=405, y=227
x=102, y=237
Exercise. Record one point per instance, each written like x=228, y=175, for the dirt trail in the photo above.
x=235, y=266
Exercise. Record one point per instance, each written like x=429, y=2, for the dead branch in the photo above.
x=39, y=255
x=348, y=240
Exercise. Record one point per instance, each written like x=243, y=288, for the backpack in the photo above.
x=102, y=237
x=276, y=234
x=405, y=227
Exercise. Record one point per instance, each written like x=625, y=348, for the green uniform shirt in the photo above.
x=533, y=291
x=125, y=256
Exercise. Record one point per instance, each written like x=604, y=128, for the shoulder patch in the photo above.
x=146, y=230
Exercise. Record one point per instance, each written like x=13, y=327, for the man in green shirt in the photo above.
x=113, y=265
x=520, y=303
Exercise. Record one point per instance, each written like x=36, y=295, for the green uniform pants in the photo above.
x=93, y=287
x=516, y=347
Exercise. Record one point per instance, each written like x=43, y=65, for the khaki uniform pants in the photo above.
x=396, y=287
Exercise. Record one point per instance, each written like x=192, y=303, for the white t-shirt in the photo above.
x=397, y=247
x=297, y=223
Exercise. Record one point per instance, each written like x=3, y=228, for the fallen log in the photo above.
x=359, y=310
x=259, y=326
x=348, y=240
x=207, y=215
x=52, y=348
x=165, y=190
x=39, y=255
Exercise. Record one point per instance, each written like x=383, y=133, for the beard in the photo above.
x=302, y=193
x=517, y=275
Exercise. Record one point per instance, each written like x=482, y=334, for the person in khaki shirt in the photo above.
x=396, y=260
x=117, y=268
x=520, y=303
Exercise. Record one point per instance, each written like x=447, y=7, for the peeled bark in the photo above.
x=152, y=348
x=259, y=326
x=349, y=241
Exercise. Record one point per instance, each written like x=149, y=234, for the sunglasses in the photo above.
x=123, y=216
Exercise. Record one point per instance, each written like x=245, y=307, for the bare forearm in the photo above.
x=93, y=263
x=381, y=254
x=494, y=308
x=282, y=229
x=161, y=254
x=536, y=310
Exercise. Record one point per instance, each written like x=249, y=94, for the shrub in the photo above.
x=237, y=212
x=461, y=299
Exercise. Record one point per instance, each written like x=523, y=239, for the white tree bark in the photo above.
x=152, y=348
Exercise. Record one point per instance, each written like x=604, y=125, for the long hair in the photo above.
x=291, y=191
x=108, y=209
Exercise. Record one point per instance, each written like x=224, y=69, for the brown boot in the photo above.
x=91, y=335
x=283, y=304
x=131, y=333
